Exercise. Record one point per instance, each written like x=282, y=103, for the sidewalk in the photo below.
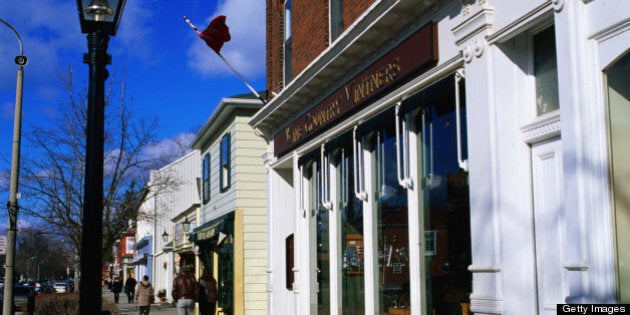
x=132, y=309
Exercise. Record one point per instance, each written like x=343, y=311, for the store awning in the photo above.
x=211, y=230
x=141, y=261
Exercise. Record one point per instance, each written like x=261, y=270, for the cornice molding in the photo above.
x=479, y=22
x=542, y=129
x=470, y=34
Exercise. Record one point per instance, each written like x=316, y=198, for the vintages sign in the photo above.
x=417, y=52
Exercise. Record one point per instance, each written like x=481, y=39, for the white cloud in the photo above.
x=169, y=149
x=134, y=33
x=154, y=156
x=245, y=52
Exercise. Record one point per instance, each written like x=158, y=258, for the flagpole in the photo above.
x=192, y=25
x=227, y=63
x=241, y=77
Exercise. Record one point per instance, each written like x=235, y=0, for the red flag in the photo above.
x=216, y=34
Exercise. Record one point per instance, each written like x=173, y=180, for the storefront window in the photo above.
x=352, y=247
x=321, y=246
x=446, y=213
x=392, y=226
x=225, y=271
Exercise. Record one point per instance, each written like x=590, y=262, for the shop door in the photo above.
x=547, y=185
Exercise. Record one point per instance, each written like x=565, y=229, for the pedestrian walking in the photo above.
x=130, y=287
x=117, y=288
x=144, y=296
x=185, y=291
x=207, y=293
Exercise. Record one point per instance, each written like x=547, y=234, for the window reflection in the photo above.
x=546, y=71
x=392, y=228
x=352, y=246
x=446, y=218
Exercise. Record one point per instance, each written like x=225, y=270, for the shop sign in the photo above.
x=416, y=53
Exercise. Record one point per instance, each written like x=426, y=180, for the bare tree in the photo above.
x=40, y=257
x=53, y=169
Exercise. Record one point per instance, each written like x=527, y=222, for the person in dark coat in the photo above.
x=117, y=288
x=185, y=291
x=208, y=293
x=130, y=288
x=30, y=302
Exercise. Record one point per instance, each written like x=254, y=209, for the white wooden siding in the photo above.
x=247, y=192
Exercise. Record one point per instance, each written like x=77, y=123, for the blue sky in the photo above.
x=169, y=72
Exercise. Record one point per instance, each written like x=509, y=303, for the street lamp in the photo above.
x=12, y=206
x=186, y=225
x=99, y=20
x=165, y=236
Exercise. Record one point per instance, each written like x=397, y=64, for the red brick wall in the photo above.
x=310, y=32
x=352, y=9
x=275, y=46
x=310, y=28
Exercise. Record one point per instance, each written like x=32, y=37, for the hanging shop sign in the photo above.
x=416, y=53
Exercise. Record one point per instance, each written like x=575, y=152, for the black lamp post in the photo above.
x=165, y=236
x=99, y=20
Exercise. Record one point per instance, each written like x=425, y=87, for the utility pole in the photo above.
x=12, y=206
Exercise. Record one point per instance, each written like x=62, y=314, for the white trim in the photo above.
x=486, y=304
x=546, y=127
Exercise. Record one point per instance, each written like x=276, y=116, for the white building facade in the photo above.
x=231, y=239
x=173, y=197
x=443, y=157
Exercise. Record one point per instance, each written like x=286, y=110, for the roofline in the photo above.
x=226, y=107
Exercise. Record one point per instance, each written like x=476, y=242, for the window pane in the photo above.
x=287, y=19
x=225, y=163
x=446, y=216
x=546, y=71
x=320, y=246
x=336, y=18
x=392, y=228
x=289, y=262
x=288, y=50
x=352, y=247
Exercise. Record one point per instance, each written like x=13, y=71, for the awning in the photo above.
x=141, y=261
x=211, y=230
x=210, y=236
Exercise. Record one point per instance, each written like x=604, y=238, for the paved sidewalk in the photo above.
x=132, y=309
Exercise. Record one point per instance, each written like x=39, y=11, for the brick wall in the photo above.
x=310, y=31
x=352, y=9
x=275, y=46
x=310, y=19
